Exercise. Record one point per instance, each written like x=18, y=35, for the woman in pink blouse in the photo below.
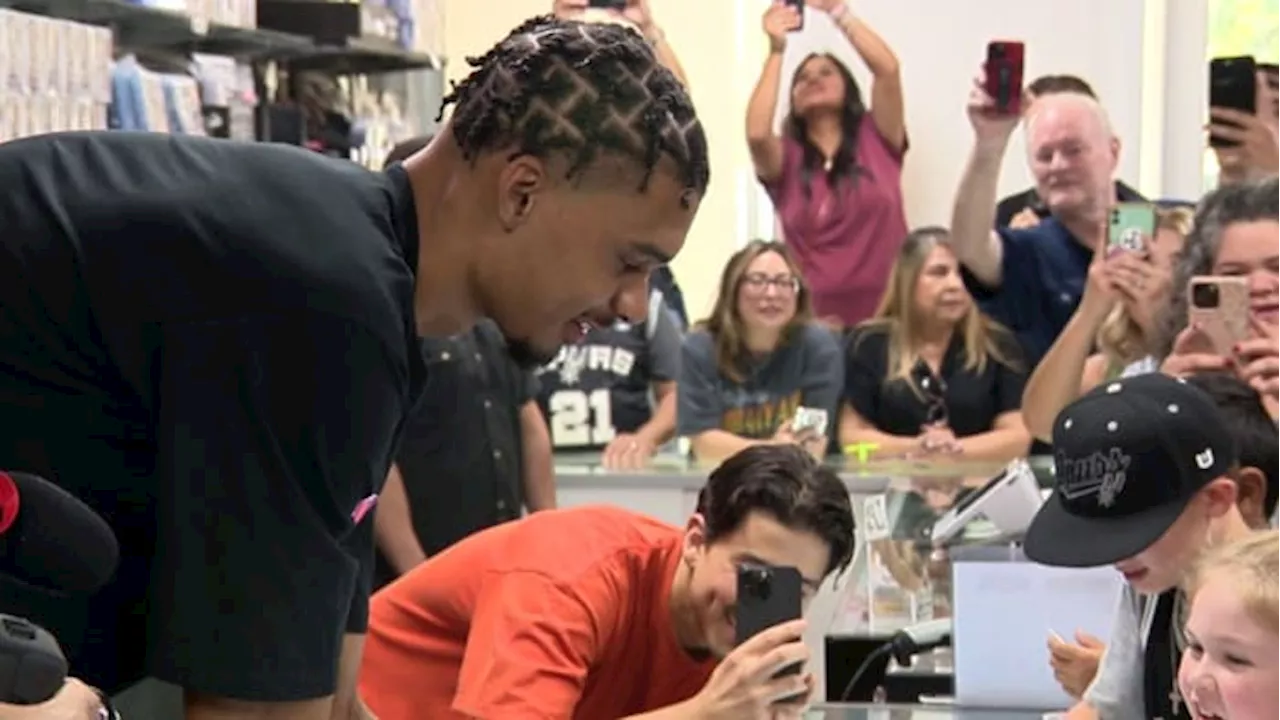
x=835, y=172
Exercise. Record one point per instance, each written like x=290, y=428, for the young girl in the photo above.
x=1229, y=668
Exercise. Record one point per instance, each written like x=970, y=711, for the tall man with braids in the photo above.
x=215, y=344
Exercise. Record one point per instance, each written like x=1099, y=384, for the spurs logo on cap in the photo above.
x=1101, y=474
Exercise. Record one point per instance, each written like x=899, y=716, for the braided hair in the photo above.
x=583, y=91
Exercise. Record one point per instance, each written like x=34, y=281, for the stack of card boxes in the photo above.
x=54, y=75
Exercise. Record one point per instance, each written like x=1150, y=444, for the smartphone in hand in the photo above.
x=1219, y=306
x=799, y=8
x=1129, y=227
x=768, y=595
x=1002, y=75
x=608, y=4
x=1233, y=84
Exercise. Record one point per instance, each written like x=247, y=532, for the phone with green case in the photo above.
x=1129, y=227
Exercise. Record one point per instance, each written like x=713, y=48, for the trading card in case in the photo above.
x=57, y=40
x=37, y=49
x=74, y=52
x=810, y=418
x=19, y=42
x=6, y=50
x=99, y=62
x=20, y=106
x=6, y=116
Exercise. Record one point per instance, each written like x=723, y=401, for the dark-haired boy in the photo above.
x=215, y=344
x=597, y=612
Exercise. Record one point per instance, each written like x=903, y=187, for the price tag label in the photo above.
x=875, y=519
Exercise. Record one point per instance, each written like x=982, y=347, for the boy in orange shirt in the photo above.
x=597, y=612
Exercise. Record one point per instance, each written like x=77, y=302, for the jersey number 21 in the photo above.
x=581, y=419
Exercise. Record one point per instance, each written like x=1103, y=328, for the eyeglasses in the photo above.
x=934, y=390
x=758, y=282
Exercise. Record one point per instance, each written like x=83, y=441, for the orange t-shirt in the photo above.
x=563, y=614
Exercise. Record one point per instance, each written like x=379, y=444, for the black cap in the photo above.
x=1128, y=457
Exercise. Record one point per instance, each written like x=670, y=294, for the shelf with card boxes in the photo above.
x=230, y=28
x=193, y=66
x=53, y=75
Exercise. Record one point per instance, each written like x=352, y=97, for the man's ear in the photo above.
x=695, y=539
x=1220, y=496
x=520, y=183
x=1252, y=496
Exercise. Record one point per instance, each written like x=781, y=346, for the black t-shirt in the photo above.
x=973, y=400
x=212, y=344
x=461, y=454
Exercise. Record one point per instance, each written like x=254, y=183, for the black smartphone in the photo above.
x=608, y=4
x=799, y=6
x=768, y=595
x=1233, y=83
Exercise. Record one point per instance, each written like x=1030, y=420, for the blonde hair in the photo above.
x=897, y=314
x=1120, y=338
x=1252, y=567
x=725, y=323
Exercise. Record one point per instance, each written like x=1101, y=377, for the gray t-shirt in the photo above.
x=805, y=372
x=1118, y=690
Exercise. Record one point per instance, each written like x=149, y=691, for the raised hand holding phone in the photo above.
x=1233, y=86
x=1217, y=320
x=779, y=19
x=1002, y=76
x=997, y=99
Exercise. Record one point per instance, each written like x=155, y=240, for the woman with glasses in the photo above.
x=1115, y=329
x=929, y=374
x=746, y=370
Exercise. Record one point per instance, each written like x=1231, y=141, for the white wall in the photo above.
x=1112, y=43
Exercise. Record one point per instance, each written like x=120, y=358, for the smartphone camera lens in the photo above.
x=759, y=582
x=1204, y=296
x=997, y=52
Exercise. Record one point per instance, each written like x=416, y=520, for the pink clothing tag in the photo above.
x=363, y=507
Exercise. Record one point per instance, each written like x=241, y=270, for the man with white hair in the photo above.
x=1026, y=208
x=1031, y=279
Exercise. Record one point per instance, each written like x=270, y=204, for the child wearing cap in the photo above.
x=1075, y=663
x=1233, y=631
x=1144, y=470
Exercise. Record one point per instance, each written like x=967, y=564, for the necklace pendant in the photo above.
x=1175, y=700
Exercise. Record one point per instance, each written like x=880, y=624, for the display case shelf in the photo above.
x=147, y=29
